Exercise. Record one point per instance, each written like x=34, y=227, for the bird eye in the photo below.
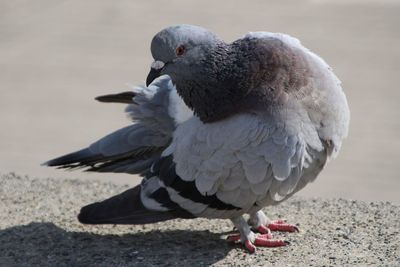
x=180, y=50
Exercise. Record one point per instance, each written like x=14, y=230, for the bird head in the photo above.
x=178, y=51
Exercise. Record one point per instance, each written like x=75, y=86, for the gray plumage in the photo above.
x=230, y=129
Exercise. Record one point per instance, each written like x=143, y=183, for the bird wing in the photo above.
x=134, y=148
x=321, y=94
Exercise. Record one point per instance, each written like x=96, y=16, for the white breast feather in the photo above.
x=177, y=108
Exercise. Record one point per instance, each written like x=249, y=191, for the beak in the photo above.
x=155, y=71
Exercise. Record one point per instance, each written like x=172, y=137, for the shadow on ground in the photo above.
x=45, y=244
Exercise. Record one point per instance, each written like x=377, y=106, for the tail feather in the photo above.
x=134, y=161
x=124, y=98
x=125, y=208
x=80, y=157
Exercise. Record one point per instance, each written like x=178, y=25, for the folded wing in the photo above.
x=134, y=148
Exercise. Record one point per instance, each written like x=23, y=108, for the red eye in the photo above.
x=180, y=50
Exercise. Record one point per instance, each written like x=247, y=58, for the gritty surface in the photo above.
x=38, y=227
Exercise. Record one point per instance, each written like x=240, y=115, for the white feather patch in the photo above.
x=193, y=207
x=148, y=187
x=177, y=108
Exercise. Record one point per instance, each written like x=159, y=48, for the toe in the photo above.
x=249, y=246
x=262, y=242
x=283, y=227
x=262, y=229
x=233, y=238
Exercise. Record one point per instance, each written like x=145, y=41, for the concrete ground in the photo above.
x=38, y=227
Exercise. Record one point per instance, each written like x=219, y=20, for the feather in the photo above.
x=133, y=148
x=125, y=208
x=124, y=97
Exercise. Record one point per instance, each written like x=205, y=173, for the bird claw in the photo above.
x=262, y=229
x=265, y=242
x=261, y=240
x=233, y=238
x=282, y=226
x=249, y=246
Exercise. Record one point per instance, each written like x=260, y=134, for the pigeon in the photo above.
x=221, y=130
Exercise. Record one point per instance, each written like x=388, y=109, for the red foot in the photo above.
x=263, y=240
x=281, y=225
x=249, y=246
x=264, y=230
x=233, y=238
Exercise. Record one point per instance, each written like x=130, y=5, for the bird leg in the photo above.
x=252, y=240
x=263, y=225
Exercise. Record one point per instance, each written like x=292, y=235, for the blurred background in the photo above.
x=56, y=56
